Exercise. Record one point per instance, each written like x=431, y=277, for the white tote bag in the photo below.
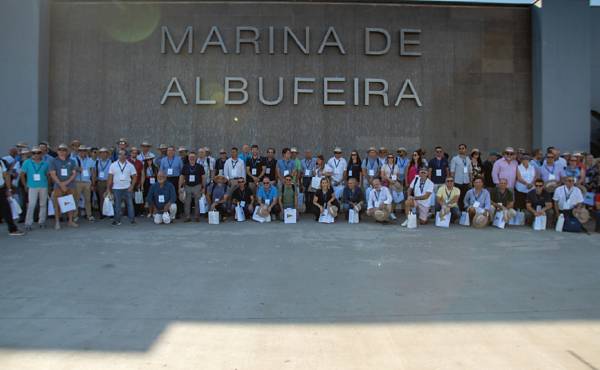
x=412, y=220
x=67, y=204
x=442, y=222
x=138, y=197
x=51, y=211
x=258, y=218
x=15, y=208
x=203, y=205
x=518, y=220
x=464, y=219
x=560, y=223
x=108, y=208
x=325, y=217
x=213, y=217
x=353, y=216
x=539, y=223
x=315, y=182
x=499, y=220
x=240, y=216
x=289, y=216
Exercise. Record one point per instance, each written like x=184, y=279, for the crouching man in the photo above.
x=162, y=197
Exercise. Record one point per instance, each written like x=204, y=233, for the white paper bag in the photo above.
x=518, y=220
x=108, y=209
x=539, y=223
x=412, y=220
x=66, y=204
x=353, y=216
x=325, y=217
x=258, y=218
x=560, y=223
x=338, y=190
x=588, y=198
x=51, y=211
x=289, y=216
x=442, y=222
x=464, y=219
x=138, y=197
x=499, y=220
x=203, y=205
x=213, y=217
x=15, y=208
x=315, y=182
x=240, y=216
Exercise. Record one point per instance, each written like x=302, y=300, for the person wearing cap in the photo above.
x=162, y=153
x=121, y=179
x=34, y=177
x=84, y=181
x=402, y=161
x=255, y=168
x=191, y=182
x=506, y=168
x=438, y=168
x=447, y=197
x=551, y=170
x=419, y=196
x=217, y=196
x=234, y=168
x=63, y=171
x=323, y=199
x=267, y=197
x=220, y=163
x=352, y=197
x=526, y=175
x=183, y=154
x=139, y=168
x=477, y=200
x=379, y=204
x=567, y=197
x=286, y=165
x=122, y=144
x=146, y=153
x=502, y=199
x=102, y=166
x=539, y=203
x=162, y=200
x=5, y=193
x=208, y=164
x=270, y=166
x=338, y=166
x=75, y=144
x=288, y=196
x=370, y=168
x=242, y=196
x=461, y=171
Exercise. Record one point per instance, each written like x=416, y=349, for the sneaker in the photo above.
x=73, y=224
x=133, y=222
x=393, y=216
x=116, y=223
x=16, y=233
x=57, y=226
x=91, y=219
x=405, y=223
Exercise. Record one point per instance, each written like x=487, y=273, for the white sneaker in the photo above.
x=405, y=223
x=393, y=216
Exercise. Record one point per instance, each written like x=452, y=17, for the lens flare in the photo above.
x=128, y=22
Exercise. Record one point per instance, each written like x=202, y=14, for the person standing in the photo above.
x=146, y=153
x=270, y=166
x=102, y=167
x=63, y=171
x=208, y=164
x=438, y=168
x=171, y=165
x=84, y=180
x=34, y=177
x=5, y=192
x=139, y=168
x=255, y=168
x=506, y=168
x=461, y=171
x=286, y=165
x=191, y=181
x=308, y=166
x=121, y=179
x=149, y=177
x=234, y=168
x=339, y=165
x=354, y=169
x=525, y=181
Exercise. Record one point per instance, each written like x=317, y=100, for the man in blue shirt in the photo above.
x=34, y=177
x=267, y=198
x=84, y=180
x=162, y=199
x=286, y=165
x=62, y=172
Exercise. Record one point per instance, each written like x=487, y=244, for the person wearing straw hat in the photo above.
x=183, y=154
x=75, y=144
x=192, y=183
x=84, y=180
x=402, y=161
x=419, y=196
x=63, y=171
x=102, y=167
x=122, y=144
x=539, y=203
x=447, y=200
x=338, y=166
x=476, y=163
x=34, y=177
x=506, y=168
x=477, y=200
x=567, y=197
x=162, y=198
x=370, y=167
x=146, y=153
x=379, y=205
x=267, y=198
x=162, y=153
x=217, y=196
x=502, y=199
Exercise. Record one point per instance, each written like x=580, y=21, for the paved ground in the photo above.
x=305, y=296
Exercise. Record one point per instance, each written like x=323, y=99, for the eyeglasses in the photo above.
x=449, y=180
x=354, y=154
x=539, y=186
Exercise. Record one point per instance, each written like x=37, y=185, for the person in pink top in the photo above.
x=506, y=168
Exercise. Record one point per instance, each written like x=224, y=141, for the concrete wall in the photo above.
x=562, y=74
x=108, y=76
x=23, y=71
x=595, y=58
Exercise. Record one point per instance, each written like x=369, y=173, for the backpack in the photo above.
x=572, y=224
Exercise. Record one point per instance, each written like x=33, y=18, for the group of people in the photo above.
x=177, y=183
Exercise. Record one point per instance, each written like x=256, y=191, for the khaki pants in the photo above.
x=100, y=190
x=192, y=193
x=83, y=188
x=37, y=195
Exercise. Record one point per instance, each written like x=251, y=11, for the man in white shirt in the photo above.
x=121, y=177
x=234, y=168
x=567, y=197
x=379, y=205
x=207, y=163
x=419, y=196
x=461, y=170
x=146, y=153
x=338, y=164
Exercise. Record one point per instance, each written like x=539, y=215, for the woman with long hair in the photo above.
x=416, y=162
x=476, y=163
x=325, y=199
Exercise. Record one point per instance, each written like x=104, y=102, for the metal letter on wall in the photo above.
x=413, y=94
x=298, y=90
x=261, y=95
x=335, y=43
x=219, y=42
x=177, y=94
x=239, y=40
x=166, y=35
x=239, y=90
x=287, y=33
x=327, y=91
x=382, y=31
x=404, y=42
x=199, y=100
x=383, y=92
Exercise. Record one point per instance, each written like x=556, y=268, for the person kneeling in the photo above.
x=243, y=197
x=324, y=199
x=267, y=199
x=162, y=197
x=380, y=202
x=502, y=200
x=447, y=200
x=352, y=198
x=419, y=196
x=477, y=203
x=288, y=196
x=218, y=198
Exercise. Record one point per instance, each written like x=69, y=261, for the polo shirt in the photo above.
x=567, y=198
x=171, y=167
x=286, y=167
x=64, y=169
x=159, y=196
x=37, y=173
x=263, y=194
x=122, y=174
x=439, y=169
x=461, y=167
x=538, y=200
x=504, y=198
x=255, y=166
x=504, y=169
x=447, y=196
x=192, y=175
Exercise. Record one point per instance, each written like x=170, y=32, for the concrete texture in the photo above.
x=305, y=296
x=108, y=75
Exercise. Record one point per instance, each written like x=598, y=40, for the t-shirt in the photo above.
x=286, y=167
x=218, y=192
x=567, y=198
x=439, y=169
x=354, y=170
x=36, y=173
x=242, y=195
x=447, y=196
x=324, y=197
x=270, y=194
x=102, y=168
x=271, y=165
x=64, y=169
x=287, y=196
x=255, y=166
x=121, y=174
x=538, y=200
x=420, y=188
x=504, y=198
x=192, y=174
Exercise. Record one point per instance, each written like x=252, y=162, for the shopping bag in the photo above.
x=213, y=217
x=240, y=216
x=353, y=217
x=66, y=203
x=301, y=204
x=464, y=219
x=258, y=218
x=560, y=223
x=588, y=198
x=412, y=220
x=182, y=195
x=138, y=197
x=338, y=190
x=518, y=219
x=539, y=223
x=442, y=222
x=203, y=205
x=499, y=220
x=51, y=211
x=315, y=183
x=325, y=217
x=108, y=209
x=289, y=216
x=15, y=208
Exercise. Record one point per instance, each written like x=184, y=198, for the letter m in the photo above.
x=166, y=35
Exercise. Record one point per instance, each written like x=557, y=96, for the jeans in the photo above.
x=5, y=210
x=127, y=196
x=37, y=195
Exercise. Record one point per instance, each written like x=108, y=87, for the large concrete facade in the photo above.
x=473, y=78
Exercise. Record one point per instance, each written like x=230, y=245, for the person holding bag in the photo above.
x=325, y=199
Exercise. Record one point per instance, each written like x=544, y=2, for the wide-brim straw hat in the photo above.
x=582, y=214
x=333, y=211
x=264, y=211
x=379, y=215
x=480, y=221
x=550, y=186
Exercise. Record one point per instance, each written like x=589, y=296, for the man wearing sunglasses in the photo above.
x=447, y=198
x=461, y=170
x=539, y=203
x=567, y=198
x=506, y=168
x=551, y=170
x=270, y=164
x=34, y=177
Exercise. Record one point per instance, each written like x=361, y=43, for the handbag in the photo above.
x=442, y=222
x=213, y=217
x=258, y=218
x=107, y=207
x=66, y=203
x=203, y=205
x=539, y=223
x=572, y=225
x=138, y=197
x=412, y=220
x=353, y=217
x=289, y=216
x=464, y=219
x=325, y=217
x=560, y=223
x=240, y=216
x=499, y=220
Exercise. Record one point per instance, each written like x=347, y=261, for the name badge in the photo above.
x=192, y=178
x=253, y=172
x=37, y=177
x=466, y=170
x=122, y=177
x=64, y=172
x=161, y=199
x=476, y=204
x=268, y=171
x=101, y=174
x=377, y=203
x=371, y=172
x=217, y=200
x=169, y=171
x=286, y=172
x=221, y=172
x=152, y=180
x=438, y=172
x=242, y=204
x=394, y=177
x=551, y=177
x=500, y=204
x=85, y=173
x=268, y=201
x=307, y=173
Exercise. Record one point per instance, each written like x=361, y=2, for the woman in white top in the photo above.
x=526, y=176
x=390, y=175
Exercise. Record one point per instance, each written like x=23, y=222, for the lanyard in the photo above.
x=369, y=164
x=336, y=164
x=122, y=168
x=567, y=196
x=287, y=164
x=234, y=163
x=391, y=169
x=402, y=162
x=253, y=162
x=421, y=185
x=551, y=172
x=308, y=164
x=171, y=162
x=103, y=167
x=477, y=196
x=37, y=169
x=448, y=195
x=377, y=194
